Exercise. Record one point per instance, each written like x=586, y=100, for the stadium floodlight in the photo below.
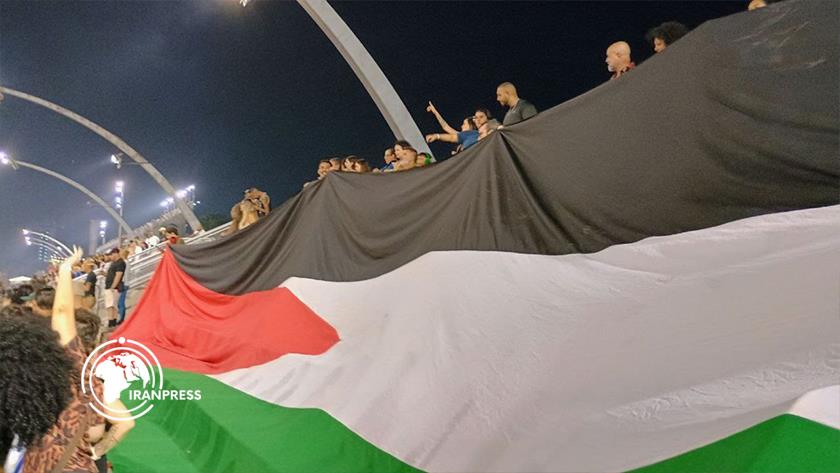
x=181, y=194
x=164, y=203
x=191, y=187
x=119, y=186
x=170, y=200
x=25, y=231
x=5, y=160
x=103, y=224
x=244, y=3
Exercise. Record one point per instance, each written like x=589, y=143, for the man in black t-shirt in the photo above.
x=519, y=109
x=114, y=285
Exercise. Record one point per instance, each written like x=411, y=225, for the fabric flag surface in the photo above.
x=651, y=290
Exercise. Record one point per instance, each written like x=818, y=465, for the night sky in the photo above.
x=226, y=97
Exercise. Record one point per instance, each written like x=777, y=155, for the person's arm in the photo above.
x=447, y=137
x=119, y=428
x=96, y=432
x=64, y=312
x=448, y=129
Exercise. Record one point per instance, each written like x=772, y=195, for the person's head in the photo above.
x=422, y=160
x=21, y=294
x=335, y=164
x=756, y=4
x=171, y=231
x=400, y=148
x=41, y=301
x=347, y=164
x=618, y=56
x=88, y=266
x=468, y=124
x=114, y=254
x=323, y=168
x=482, y=116
x=87, y=327
x=15, y=310
x=36, y=375
x=390, y=157
x=665, y=34
x=360, y=166
x=506, y=94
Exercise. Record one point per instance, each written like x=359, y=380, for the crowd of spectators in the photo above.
x=46, y=421
x=403, y=156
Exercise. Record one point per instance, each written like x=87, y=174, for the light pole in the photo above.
x=28, y=234
x=114, y=140
x=15, y=164
x=119, y=201
x=103, y=225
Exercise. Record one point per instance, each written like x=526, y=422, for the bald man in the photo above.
x=756, y=4
x=618, y=59
x=518, y=109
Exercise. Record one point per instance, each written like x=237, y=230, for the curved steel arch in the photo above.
x=119, y=143
x=125, y=226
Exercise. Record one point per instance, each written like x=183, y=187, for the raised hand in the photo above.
x=74, y=258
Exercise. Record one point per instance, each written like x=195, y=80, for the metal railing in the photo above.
x=142, y=266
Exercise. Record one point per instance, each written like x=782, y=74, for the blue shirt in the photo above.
x=468, y=138
x=387, y=167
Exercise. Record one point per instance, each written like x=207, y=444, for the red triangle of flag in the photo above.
x=192, y=328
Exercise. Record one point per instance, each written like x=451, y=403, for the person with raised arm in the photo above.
x=67, y=447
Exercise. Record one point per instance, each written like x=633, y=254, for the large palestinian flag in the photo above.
x=647, y=276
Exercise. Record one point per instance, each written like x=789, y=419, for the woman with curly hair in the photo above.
x=35, y=379
x=666, y=34
x=64, y=446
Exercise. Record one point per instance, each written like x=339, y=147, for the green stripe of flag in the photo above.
x=784, y=444
x=230, y=431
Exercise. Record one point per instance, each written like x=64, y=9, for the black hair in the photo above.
x=16, y=310
x=669, y=32
x=45, y=297
x=403, y=144
x=18, y=293
x=485, y=112
x=471, y=123
x=35, y=379
x=87, y=326
x=172, y=229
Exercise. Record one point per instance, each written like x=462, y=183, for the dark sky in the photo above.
x=226, y=97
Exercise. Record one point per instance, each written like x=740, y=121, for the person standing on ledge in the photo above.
x=518, y=109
